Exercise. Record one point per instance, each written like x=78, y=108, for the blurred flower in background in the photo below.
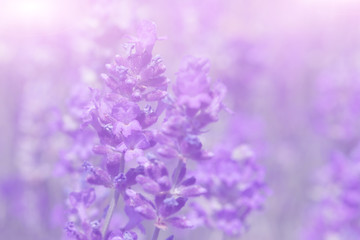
x=285, y=144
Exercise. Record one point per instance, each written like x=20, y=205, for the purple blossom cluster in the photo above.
x=148, y=145
x=235, y=187
x=334, y=214
x=338, y=199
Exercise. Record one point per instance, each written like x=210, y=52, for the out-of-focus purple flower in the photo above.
x=194, y=91
x=335, y=111
x=235, y=187
x=123, y=235
x=197, y=103
x=192, y=86
x=337, y=196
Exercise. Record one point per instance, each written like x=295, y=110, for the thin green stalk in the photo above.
x=110, y=212
x=156, y=233
x=113, y=203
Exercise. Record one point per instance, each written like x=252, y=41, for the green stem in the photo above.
x=113, y=203
x=110, y=212
x=156, y=233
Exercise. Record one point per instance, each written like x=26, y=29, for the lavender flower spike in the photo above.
x=148, y=155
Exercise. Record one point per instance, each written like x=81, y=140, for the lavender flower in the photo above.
x=335, y=215
x=235, y=187
x=335, y=110
x=195, y=106
x=120, y=124
x=145, y=145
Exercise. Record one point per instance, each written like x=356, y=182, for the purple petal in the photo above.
x=146, y=211
x=179, y=174
x=132, y=174
x=179, y=222
x=140, y=204
x=190, y=191
x=189, y=181
x=171, y=206
x=100, y=177
x=122, y=129
x=148, y=184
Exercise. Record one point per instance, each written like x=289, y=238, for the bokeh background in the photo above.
x=292, y=68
